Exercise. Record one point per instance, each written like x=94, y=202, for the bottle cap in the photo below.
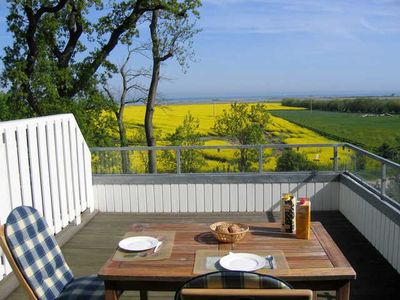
x=287, y=196
x=302, y=200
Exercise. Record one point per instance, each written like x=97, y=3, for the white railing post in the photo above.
x=178, y=160
x=53, y=176
x=260, y=159
x=36, y=184
x=6, y=202
x=58, y=135
x=88, y=179
x=335, y=159
x=24, y=165
x=75, y=176
x=44, y=174
x=13, y=166
x=68, y=169
x=383, y=179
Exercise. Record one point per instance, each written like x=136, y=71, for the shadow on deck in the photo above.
x=89, y=249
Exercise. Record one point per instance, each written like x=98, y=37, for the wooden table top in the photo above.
x=317, y=259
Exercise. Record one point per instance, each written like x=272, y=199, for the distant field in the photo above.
x=167, y=118
x=369, y=131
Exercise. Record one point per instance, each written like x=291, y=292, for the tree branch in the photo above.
x=51, y=9
x=75, y=30
x=31, y=56
x=166, y=56
x=108, y=92
x=98, y=58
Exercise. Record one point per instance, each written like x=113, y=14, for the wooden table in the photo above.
x=316, y=264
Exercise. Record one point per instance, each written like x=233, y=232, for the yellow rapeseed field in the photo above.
x=168, y=117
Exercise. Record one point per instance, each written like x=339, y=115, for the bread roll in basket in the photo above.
x=229, y=232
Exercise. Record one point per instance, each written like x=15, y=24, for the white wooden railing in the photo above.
x=45, y=163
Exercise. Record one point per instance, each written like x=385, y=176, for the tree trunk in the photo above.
x=125, y=160
x=148, y=119
x=243, y=160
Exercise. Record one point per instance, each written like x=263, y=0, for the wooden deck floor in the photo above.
x=88, y=250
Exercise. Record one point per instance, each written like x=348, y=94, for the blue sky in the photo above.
x=287, y=47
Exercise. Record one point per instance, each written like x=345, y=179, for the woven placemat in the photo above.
x=208, y=260
x=166, y=237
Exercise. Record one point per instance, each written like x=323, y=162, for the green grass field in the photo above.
x=369, y=132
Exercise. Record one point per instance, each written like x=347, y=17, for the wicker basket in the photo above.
x=226, y=237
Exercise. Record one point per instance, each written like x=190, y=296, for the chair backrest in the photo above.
x=233, y=280
x=35, y=253
x=246, y=294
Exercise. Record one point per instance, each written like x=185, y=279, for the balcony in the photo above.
x=45, y=162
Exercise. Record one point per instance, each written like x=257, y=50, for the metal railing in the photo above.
x=259, y=149
x=381, y=174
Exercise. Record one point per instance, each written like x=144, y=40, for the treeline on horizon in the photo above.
x=356, y=105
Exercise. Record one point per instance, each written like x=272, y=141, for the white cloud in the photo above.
x=346, y=18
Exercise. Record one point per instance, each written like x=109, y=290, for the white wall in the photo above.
x=373, y=223
x=210, y=197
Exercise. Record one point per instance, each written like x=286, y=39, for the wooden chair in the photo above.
x=37, y=261
x=247, y=294
x=239, y=285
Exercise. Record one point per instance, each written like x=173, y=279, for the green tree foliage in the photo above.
x=244, y=124
x=356, y=105
x=186, y=134
x=96, y=125
x=390, y=152
x=386, y=151
x=291, y=160
x=59, y=55
x=5, y=113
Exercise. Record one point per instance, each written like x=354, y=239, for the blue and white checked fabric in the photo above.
x=83, y=288
x=39, y=258
x=36, y=252
x=234, y=280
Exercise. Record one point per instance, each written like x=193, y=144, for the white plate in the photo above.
x=242, y=262
x=138, y=243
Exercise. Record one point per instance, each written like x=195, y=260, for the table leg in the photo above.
x=143, y=295
x=343, y=293
x=314, y=295
x=110, y=291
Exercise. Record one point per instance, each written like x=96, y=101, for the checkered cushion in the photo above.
x=87, y=287
x=234, y=280
x=36, y=252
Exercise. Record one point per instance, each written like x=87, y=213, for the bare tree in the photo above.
x=130, y=82
x=171, y=36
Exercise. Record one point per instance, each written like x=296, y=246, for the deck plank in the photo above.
x=87, y=251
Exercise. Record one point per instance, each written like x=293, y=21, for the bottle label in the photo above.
x=288, y=213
